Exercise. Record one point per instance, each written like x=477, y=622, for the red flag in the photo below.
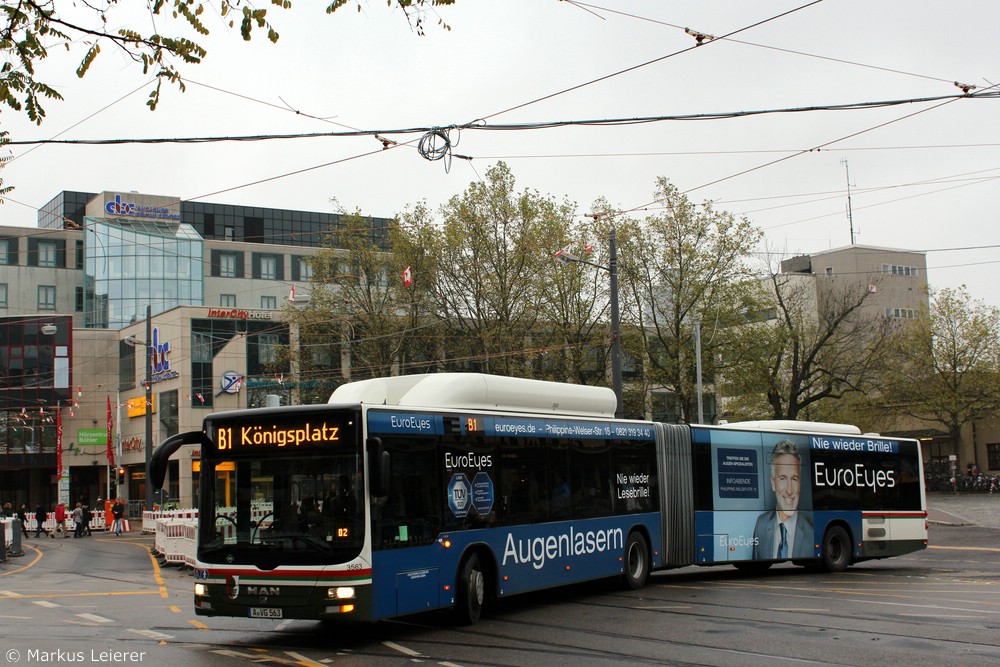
x=59, y=461
x=291, y=294
x=111, y=451
x=407, y=277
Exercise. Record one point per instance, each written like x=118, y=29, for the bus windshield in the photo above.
x=266, y=511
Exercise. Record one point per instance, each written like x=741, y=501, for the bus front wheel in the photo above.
x=636, y=561
x=471, y=591
x=836, y=549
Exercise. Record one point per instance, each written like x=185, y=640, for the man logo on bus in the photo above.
x=233, y=586
x=784, y=532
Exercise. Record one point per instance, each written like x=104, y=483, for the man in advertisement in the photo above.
x=784, y=532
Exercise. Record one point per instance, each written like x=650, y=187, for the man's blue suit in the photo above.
x=766, y=542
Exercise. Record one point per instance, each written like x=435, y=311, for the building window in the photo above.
x=305, y=269
x=993, y=455
x=229, y=233
x=126, y=365
x=47, y=254
x=897, y=270
x=3, y=295
x=79, y=255
x=267, y=348
x=227, y=265
x=201, y=347
x=268, y=267
x=901, y=313
x=4, y=250
x=78, y=304
x=829, y=270
x=46, y=297
x=269, y=302
x=227, y=300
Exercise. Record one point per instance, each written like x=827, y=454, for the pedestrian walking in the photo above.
x=88, y=516
x=41, y=514
x=78, y=520
x=60, y=521
x=22, y=516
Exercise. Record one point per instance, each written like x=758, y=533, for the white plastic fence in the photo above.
x=177, y=530
x=96, y=523
x=176, y=540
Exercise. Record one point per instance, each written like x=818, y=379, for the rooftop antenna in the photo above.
x=850, y=215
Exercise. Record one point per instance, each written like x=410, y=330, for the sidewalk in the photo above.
x=966, y=509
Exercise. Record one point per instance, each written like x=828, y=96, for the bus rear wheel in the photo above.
x=836, y=549
x=471, y=591
x=636, y=561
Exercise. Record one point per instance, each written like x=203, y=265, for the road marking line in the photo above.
x=198, y=624
x=97, y=593
x=95, y=618
x=990, y=549
x=254, y=658
x=10, y=594
x=302, y=660
x=151, y=634
x=402, y=649
x=45, y=603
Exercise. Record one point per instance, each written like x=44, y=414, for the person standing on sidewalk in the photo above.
x=41, y=514
x=118, y=512
x=78, y=520
x=60, y=521
x=22, y=516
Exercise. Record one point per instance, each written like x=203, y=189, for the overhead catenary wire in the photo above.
x=435, y=142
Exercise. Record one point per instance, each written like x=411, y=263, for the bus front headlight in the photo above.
x=200, y=590
x=340, y=593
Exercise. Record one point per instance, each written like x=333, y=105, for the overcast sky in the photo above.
x=922, y=176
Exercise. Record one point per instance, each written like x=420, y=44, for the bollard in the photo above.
x=15, y=543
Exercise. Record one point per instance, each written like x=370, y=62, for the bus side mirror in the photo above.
x=378, y=468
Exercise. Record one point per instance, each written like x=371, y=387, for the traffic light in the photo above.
x=121, y=475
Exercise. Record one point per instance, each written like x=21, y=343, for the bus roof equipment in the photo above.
x=477, y=391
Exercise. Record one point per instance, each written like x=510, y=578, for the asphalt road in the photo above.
x=106, y=600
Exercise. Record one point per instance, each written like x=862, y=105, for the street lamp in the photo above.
x=147, y=345
x=697, y=363
x=616, y=343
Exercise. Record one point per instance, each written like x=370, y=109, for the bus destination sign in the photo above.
x=256, y=437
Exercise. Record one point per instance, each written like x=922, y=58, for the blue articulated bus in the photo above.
x=451, y=490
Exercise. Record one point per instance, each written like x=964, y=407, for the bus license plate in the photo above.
x=265, y=612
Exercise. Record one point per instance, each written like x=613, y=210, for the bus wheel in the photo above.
x=836, y=549
x=471, y=591
x=636, y=561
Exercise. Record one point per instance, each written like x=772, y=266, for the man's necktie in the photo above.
x=783, y=545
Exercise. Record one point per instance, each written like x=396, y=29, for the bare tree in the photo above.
x=807, y=345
